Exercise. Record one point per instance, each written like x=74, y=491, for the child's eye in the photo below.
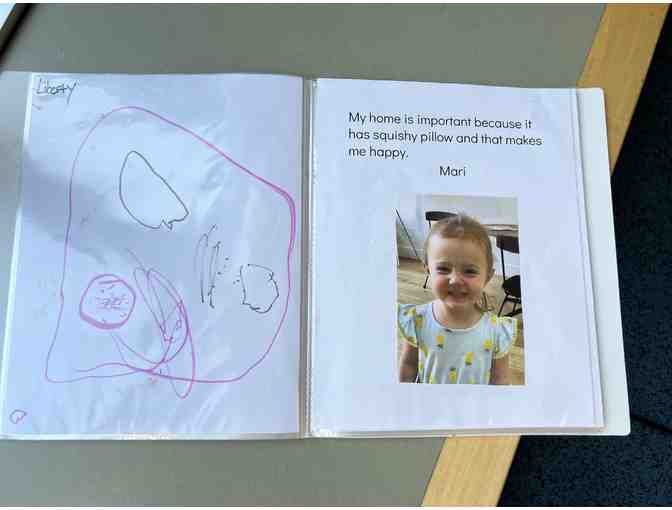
x=471, y=272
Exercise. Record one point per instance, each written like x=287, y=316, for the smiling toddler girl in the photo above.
x=454, y=339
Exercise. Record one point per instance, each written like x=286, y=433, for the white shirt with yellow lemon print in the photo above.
x=455, y=356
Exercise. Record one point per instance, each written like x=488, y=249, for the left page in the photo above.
x=155, y=287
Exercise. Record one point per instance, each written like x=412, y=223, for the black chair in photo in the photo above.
x=511, y=285
x=432, y=216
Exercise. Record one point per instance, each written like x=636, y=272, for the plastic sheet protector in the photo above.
x=405, y=341
x=156, y=270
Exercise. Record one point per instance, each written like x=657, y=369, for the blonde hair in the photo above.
x=463, y=226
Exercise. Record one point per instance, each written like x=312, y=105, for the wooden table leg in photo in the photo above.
x=472, y=470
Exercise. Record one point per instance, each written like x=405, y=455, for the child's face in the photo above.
x=458, y=270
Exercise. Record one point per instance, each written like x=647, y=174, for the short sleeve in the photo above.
x=406, y=321
x=505, y=336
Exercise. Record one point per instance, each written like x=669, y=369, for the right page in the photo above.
x=451, y=269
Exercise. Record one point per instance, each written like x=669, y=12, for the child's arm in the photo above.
x=501, y=373
x=408, y=363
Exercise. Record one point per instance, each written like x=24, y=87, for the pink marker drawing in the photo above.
x=130, y=302
x=107, y=302
x=17, y=415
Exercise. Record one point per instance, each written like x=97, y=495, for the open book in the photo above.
x=260, y=256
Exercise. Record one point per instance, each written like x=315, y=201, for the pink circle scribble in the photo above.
x=107, y=302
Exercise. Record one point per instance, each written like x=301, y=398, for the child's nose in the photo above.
x=455, y=277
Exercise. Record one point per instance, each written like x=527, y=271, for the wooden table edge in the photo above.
x=471, y=471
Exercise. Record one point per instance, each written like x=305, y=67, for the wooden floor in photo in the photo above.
x=410, y=279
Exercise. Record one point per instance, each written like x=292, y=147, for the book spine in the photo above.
x=307, y=308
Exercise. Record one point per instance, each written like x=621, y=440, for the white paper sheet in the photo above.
x=156, y=265
x=354, y=367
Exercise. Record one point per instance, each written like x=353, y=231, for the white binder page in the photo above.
x=392, y=353
x=599, y=211
x=155, y=284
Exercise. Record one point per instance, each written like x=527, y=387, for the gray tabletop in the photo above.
x=525, y=45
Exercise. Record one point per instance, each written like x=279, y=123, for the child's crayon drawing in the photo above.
x=176, y=267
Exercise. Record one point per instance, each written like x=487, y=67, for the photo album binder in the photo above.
x=244, y=256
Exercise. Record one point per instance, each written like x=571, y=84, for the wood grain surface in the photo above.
x=471, y=471
x=618, y=61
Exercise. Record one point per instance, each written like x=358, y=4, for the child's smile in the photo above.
x=458, y=295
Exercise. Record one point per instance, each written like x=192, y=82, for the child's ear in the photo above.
x=492, y=273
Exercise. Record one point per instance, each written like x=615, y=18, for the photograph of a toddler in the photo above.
x=455, y=338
